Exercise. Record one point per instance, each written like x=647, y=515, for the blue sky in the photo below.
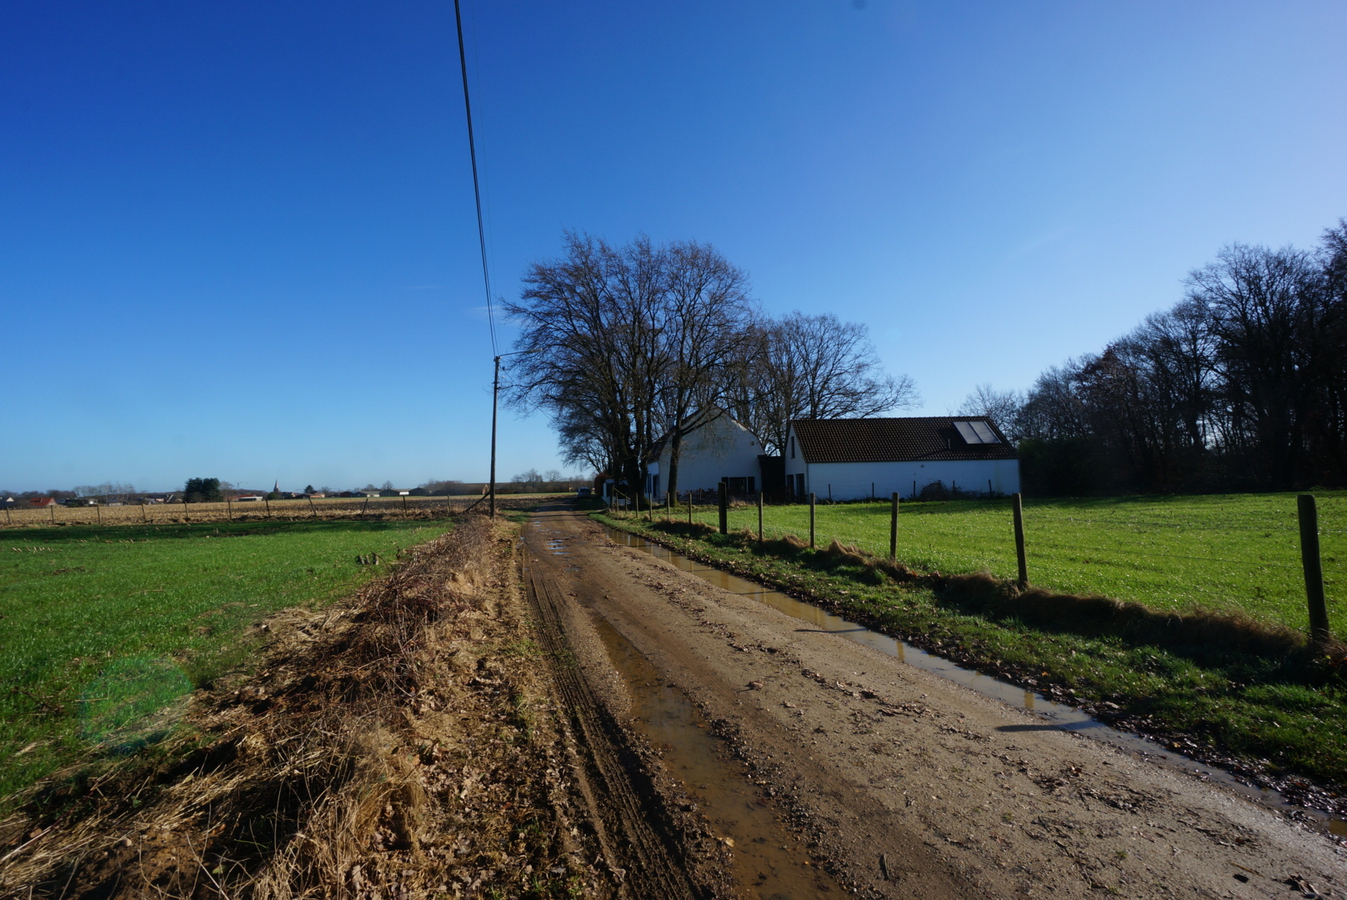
x=238, y=240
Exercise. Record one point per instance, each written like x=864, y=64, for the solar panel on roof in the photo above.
x=967, y=433
x=976, y=432
x=985, y=432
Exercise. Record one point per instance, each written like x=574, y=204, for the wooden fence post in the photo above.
x=98, y=511
x=1314, y=573
x=723, y=496
x=267, y=504
x=52, y=509
x=759, y=517
x=811, y=520
x=314, y=508
x=1019, y=539
x=893, y=530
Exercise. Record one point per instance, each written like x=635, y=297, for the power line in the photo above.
x=476, y=189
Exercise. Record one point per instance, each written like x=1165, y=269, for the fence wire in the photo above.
x=1224, y=553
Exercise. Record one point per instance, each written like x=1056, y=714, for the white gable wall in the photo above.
x=720, y=449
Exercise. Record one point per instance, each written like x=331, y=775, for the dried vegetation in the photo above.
x=396, y=746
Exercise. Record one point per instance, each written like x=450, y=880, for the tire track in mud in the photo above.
x=639, y=842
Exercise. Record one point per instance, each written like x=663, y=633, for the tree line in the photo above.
x=626, y=345
x=1242, y=385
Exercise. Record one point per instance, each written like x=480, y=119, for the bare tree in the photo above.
x=1266, y=312
x=812, y=367
x=705, y=314
x=1240, y=385
x=623, y=343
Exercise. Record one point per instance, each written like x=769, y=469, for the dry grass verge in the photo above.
x=391, y=747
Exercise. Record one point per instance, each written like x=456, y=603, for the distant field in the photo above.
x=103, y=625
x=325, y=508
x=335, y=507
x=1238, y=551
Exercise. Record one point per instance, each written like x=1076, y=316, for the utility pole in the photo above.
x=495, y=391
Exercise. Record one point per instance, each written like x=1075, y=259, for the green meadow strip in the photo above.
x=108, y=630
x=1235, y=552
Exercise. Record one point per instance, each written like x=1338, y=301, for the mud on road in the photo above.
x=885, y=781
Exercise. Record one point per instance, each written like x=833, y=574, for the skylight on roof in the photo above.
x=974, y=432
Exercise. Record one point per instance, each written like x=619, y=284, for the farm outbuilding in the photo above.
x=853, y=459
x=718, y=449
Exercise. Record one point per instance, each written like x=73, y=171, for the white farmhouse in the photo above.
x=718, y=450
x=853, y=459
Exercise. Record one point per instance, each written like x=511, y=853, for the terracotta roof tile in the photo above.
x=896, y=439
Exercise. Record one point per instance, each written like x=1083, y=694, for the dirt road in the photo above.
x=890, y=781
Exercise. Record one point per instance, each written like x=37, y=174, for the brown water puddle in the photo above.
x=769, y=861
x=1055, y=715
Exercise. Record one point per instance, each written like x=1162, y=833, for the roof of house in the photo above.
x=901, y=439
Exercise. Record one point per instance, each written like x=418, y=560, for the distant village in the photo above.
x=124, y=495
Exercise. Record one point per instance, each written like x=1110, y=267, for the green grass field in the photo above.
x=107, y=629
x=1222, y=552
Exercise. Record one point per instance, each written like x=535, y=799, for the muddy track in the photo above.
x=638, y=839
x=895, y=781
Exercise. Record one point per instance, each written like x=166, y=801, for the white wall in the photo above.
x=721, y=449
x=852, y=481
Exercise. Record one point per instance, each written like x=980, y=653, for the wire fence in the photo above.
x=1227, y=553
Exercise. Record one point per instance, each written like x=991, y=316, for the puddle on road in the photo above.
x=1056, y=716
x=769, y=862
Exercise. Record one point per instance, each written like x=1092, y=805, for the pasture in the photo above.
x=1219, y=552
x=109, y=629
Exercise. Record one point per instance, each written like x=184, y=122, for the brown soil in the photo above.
x=458, y=730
